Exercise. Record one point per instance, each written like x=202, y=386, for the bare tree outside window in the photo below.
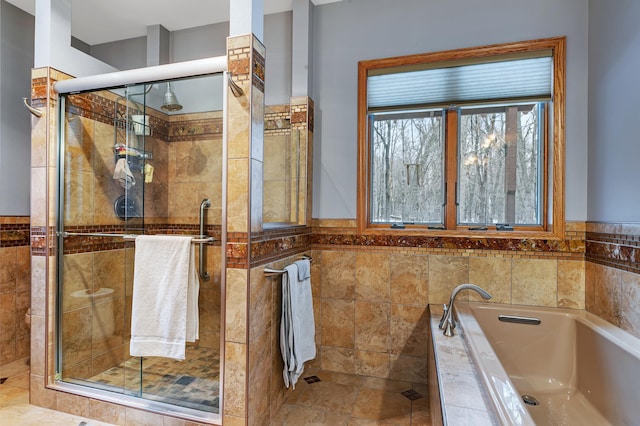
x=407, y=168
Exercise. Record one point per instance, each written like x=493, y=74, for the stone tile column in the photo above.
x=244, y=160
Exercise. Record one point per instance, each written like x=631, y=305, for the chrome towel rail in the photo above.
x=270, y=272
x=129, y=237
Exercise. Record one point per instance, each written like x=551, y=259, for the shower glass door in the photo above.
x=133, y=160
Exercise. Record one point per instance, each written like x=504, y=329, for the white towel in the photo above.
x=122, y=174
x=165, y=296
x=297, y=326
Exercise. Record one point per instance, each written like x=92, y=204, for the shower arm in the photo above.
x=204, y=275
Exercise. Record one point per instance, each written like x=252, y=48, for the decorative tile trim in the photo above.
x=14, y=234
x=257, y=76
x=450, y=243
x=614, y=248
x=85, y=244
x=42, y=240
x=277, y=120
x=245, y=251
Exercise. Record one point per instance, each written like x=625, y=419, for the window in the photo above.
x=463, y=141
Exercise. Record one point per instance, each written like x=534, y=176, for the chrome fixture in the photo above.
x=170, y=101
x=204, y=275
x=31, y=109
x=235, y=89
x=447, y=322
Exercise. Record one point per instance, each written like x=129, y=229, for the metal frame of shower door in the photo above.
x=59, y=234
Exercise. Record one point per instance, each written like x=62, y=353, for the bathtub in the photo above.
x=571, y=367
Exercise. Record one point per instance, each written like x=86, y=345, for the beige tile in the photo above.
x=259, y=363
x=373, y=277
x=39, y=395
x=236, y=305
x=608, y=295
x=8, y=272
x=591, y=271
x=77, y=281
x=298, y=416
x=72, y=404
x=408, y=368
x=257, y=195
x=372, y=332
x=135, y=417
x=76, y=336
x=332, y=397
x=237, y=195
x=338, y=275
x=409, y=325
x=571, y=284
x=235, y=375
x=39, y=206
x=630, y=320
x=382, y=406
x=492, y=274
x=445, y=273
x=409, y=279
x=338, y=325
x=106, y=412
x=338, y=359
x=372, y=364
x=260, y=303
x=535, y=282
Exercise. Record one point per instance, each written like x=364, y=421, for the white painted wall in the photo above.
x=614, y=94
x=353, y=30
x=16, y=61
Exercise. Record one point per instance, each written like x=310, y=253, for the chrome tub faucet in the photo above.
x=448, y=322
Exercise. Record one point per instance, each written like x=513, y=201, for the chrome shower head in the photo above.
x=170, y=100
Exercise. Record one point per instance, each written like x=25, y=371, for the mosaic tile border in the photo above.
x=620, y=251
x=15, y=234
x=85, y=244
x=266, y=246
x=450, y=243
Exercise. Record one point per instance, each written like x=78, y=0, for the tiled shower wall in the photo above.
x=187, y=168
x=15, y=287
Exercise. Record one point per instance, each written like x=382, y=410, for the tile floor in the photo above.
x=14, y=402
x=336, y=399
x=350, y=400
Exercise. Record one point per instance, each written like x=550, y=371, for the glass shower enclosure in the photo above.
x=134, y=160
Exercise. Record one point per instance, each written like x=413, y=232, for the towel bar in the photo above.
x=129, y=237
x=270, y=272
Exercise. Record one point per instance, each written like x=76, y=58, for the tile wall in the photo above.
x=373, y=291
x=15, y=288
x=97, y=189
x=613, y=274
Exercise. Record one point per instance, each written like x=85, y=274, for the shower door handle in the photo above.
x=204, y=275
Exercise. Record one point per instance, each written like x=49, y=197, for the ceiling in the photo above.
x=99, y=21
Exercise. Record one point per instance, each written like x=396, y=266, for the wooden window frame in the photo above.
x=553, y=222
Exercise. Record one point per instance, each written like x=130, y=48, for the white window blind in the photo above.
x=517, y=79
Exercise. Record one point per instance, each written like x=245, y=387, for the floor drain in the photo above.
x=412, y=395
x=529, y=400
x=312, y=379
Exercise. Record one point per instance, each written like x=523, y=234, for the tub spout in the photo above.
x=448, y=322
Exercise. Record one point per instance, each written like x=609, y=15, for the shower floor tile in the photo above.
x=192, y=383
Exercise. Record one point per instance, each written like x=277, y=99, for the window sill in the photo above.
x=556, y=234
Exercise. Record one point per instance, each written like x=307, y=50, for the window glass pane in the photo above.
x=407, y=170
x=499, y=165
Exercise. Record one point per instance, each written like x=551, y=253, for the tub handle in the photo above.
x=519, y=320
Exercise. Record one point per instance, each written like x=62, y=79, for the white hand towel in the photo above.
x=122, y=174
x=162, y=298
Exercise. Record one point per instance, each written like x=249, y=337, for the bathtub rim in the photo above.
x=474, y=335
x=489, y=369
